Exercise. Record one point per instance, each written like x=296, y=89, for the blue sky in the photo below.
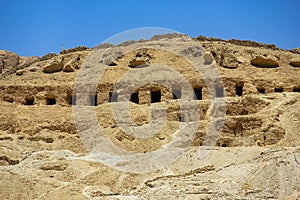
x=37, y=27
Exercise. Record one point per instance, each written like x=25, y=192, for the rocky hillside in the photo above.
x=44, y=154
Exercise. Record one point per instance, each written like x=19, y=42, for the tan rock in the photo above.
x=295, y=63
x=8, y=60
x=268, y=61
x=53, y=67
x=137, y=62
x=20, y=72
x=249, y=89
x=68, y=68
x=230, y=61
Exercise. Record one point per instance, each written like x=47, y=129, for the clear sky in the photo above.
x=37, y=27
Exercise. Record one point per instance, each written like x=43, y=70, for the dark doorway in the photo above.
x=261, y=90
x=155, y=96
x=50, y=101
x=93, y=100
x=181, y=118
x=29, y=101
x=113, y=97
x=135, y=98
x=72, y=100
x=296, y=89
x=278, y=90
x=198, y=93
x=239, y=90
x=176, y=94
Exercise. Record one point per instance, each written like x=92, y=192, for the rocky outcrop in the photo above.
x=141, y=58
x=295, y=63
x=40, y=146
x=8, y=60
x=55, y=66
x=268, y=61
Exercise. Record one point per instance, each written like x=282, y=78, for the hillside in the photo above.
x=240, y=110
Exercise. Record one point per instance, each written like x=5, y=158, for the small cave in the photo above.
x=181, y=117
x=93, y=100
x=223, y=143
x=261, y=90
x=135, y=97
x=197, y=93
x=239, y=90
x=8, y=99
x=50, y=101
x=155, y=96
x=296, y=89
x=29, y=101
x=113, y=97
x=278, y=90
x=176, y=94
x=71, y=100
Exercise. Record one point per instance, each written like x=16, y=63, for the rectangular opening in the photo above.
x=261, y=90
x=278, y=90
x=239, y=90
x=72, y=100
x=155, y=96
x=219, y=92
x=29, y=101
x=50, y=101
x=135, y=97
x=181, y=118
x=198, y=93
x=176, y=94
x=296, y=89
x=93, y=100
x=113, y=97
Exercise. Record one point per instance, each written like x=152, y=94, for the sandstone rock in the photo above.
x=58, y=166
x=113, y=63
x=137, y=62
x=53, y=67
x=26, y=61
x=229, y=61
x=142, y=57
x=295, y=63
x=249, y=89
x=1, y=66
x=20, y=72
x=8, y=60
x=42, y=140
x=268, y=61
x=68, y=68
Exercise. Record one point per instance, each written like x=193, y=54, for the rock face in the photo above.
x=8, y=60
x=295, y=63
x=265, y=61
x=53, y=67
x=256, y=155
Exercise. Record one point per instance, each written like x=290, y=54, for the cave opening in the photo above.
x=155, y=96
x=198, y=93
x=135, y=97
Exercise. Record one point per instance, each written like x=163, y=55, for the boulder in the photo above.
x=53, y=67
x=137, y=62
x=68, y=68
x=249, y=89
x=295, y=63
x=20, y=72
x=268, y=61
x=230, y=61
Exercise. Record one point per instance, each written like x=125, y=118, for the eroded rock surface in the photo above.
x=256, y=156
